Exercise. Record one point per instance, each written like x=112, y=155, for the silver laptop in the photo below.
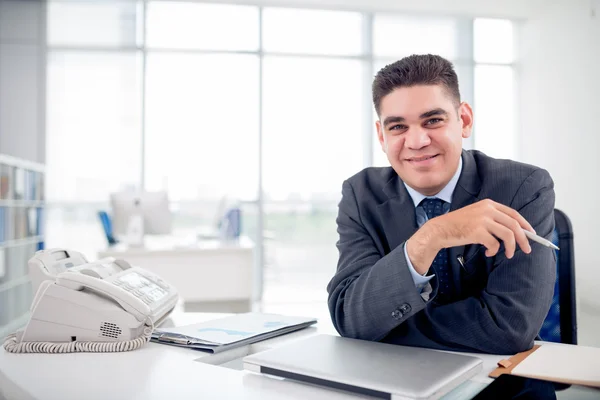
x=380, y=370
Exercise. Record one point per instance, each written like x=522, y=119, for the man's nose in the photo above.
x=417, y=138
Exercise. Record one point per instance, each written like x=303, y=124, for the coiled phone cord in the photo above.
x=11, y=345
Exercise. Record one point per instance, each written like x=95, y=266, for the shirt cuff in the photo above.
x=419, y=280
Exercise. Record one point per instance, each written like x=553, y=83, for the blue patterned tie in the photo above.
x=434, y=208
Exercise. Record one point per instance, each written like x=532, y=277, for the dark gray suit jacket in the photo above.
x=501, y=303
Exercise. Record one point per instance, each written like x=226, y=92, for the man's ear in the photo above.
x=380, y=136
x=465, y=113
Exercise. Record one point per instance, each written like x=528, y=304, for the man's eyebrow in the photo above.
x=392, y=119
x=428, y=114
x=434, y=112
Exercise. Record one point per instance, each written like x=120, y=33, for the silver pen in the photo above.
x=540, y=240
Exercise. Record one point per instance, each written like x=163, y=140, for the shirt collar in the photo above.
x=444, y=194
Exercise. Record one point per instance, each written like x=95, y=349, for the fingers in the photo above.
x=506, y=235
x=489, y=242
x=515, y=228
x=514, y=215
x=489, y=224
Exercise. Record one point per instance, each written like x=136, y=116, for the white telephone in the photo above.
x=104, y=306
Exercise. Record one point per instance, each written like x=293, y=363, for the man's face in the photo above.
x=421, y=132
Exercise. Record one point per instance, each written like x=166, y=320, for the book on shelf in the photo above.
x=40, y=227
x=40, y=195
x=5, y=182
x=18, y=184
x=39, y=231
x=19, y=223
x=32, y=223
x=2, y=265
x=33, y=186
x=2, y=224
x=6, y=225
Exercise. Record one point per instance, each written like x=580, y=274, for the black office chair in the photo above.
x=560, y=324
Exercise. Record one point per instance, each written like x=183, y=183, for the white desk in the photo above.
x=158, y=372
x=210, y=275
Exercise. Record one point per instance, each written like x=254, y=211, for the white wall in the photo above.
x=22, y=79
x=559, y=86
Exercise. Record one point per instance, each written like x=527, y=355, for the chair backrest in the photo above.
x=107, y=226
x=560, y=324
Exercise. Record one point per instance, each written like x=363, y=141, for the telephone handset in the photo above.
x=136, y=290
x=104, y=306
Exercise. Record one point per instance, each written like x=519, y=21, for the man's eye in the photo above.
x=396, y=127
x=433, y=121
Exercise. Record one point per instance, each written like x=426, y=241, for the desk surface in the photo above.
x=179, y=244
x=161, y=372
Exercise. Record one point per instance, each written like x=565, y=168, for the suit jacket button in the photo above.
x=397, y=314
x=405, y=308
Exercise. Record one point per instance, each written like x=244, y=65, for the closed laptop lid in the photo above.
x=371, y=368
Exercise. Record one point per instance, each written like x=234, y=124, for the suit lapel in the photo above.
x=466, y=193
x=397, y=214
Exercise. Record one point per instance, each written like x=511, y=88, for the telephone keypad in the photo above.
x=144, y=289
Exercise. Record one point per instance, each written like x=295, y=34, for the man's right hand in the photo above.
x=485, y=222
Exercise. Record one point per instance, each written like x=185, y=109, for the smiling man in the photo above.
x=432, y=251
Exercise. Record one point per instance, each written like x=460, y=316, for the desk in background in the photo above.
x=210, y=275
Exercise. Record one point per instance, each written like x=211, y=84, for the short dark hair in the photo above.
x=418, y=69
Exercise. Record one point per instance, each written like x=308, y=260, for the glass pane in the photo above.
x=300, y=258
x=311, y=31
x=93, y=124
x=182, y=25
x=110, y=23
x=379, y=157
x=494, y=110
x=202, y=125
x=399, y=36
x=312, y=127
x=466, y=79
x=493, y=40
x=312, y=141
x=77, y=227
x=465, y=84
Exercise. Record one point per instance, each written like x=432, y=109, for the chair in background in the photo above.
x=560, y=325
x=107, y=226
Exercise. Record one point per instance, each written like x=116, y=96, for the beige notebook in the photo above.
x=578, y=365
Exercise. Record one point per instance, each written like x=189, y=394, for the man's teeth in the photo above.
x=422, y=159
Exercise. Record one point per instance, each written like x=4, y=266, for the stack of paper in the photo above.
x=226, y=333
x=579, y=365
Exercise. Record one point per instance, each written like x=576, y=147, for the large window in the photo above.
x=201, y=125
x=285, y=31
x=93, y=24
x=276, y=113
x=312, y=126
x=313, y=119
x=94, y=119
x=495, y=110
x=397, y=36
x=494, y=82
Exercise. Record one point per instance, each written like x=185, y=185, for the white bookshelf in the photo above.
x=22, y=207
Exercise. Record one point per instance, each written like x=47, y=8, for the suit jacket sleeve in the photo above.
x=370, y=294
x=508, y=314
x=504, y=318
